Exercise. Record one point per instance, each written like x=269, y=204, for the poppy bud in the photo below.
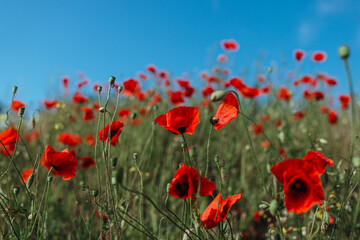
x=113, y=181
x=14, y=89
x=273, y=207
x=325, y=222
x=155, y=107
x=95, y=192
x=183, y=146
x=120, y=89
x=269, y=69
x=264, y=206
x=33, y=123
x=16, y=191
x=49, y=179
x=113, y=161
x=214, y=120
x=167, y=187
x=102, y=109
x=21, y=111
x=218, y=95
x=135, y=156
x=119, y=175
x=133, y=115
x=99, y=88
x=112, y=80
x=81, y=183
x=217, y=159
x=30, y=181
x=344, y=51
x=192, y=151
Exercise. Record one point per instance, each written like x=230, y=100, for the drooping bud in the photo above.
x=16, y=191
x=135, y=156
x=113, y=161
x=273, y=207
x=102, y=109
x=95, y=192
x=218, y=95
x=133, y=115
x=192, y=151
x=344, y=51
x=14, y=90
x=21, y=111
x=30, y=181
x=49, y=179
x=112, y=80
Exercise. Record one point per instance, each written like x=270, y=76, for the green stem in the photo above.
x=207, y=151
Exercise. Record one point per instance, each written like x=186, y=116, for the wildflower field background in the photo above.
x=222, y=154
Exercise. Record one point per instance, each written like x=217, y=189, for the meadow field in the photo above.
x=270, y=155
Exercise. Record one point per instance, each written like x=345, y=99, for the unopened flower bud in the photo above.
x=263, y=206
x=113, y=161
x=273, y=207
x=112, y=80
x=33, y=123
x=30, y=181
x=183, y=146
x=217, y=159
x=167, y=187
x=21, y=111
x=95, y=192
x=214, y=120
x=119, y=175
x=113, y=181
x=16, y=191
x=99, y=88
x=135, y=156
x=133, y=115
x=102, y=109
x=192, y=151
x=344, y=51
x=218, y=95
x=120, y=88
x=14, y=90
x=49, y=179
x=81, y=183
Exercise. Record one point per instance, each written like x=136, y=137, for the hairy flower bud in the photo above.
x=16, y=191
x=30, y=181
x=344, y=51
x=14, y=90
x=218, y=95
x=112, y=80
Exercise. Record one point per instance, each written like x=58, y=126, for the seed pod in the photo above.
x=120, y=88
x=49, y=179
x=21, y=111
x=14, y=90
x=112, y=80
x=95, y=192
x=135, y=156
x=99, y=88
x=133, y=116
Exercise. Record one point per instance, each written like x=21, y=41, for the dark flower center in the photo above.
x=113, y=133
x=298, y=186
x=181, y=129
x=182, y=188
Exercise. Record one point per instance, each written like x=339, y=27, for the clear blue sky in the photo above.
x=40, y=41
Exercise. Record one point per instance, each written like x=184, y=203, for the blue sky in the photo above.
x=40, y=41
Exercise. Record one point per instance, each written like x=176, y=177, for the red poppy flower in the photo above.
x=90, y=139
x=64, y=164
x=230, y=45
x=186, y=182
x=345, y=101
x=282, y=152
x=183, y=83
x=319, y=56
x=250, y=92
x=79, y=98
x=151, y=68
x=65, y=82
x=278, y=123
x=124, y=113
x=207, y=91
x=88, y=113
x=222, y=58
x=116, y=128
x=284, y=94
x=299, y=55
x=8, y=138
x=188, y=92
x=180, y=120
x=301, y=179
x=317, y=95
x=87, y=162
x=16, y=105
x=156, y=99
x=176, y=98
x=131, y=86
x=266, y=89
x=265, y=118
x=297, y=115
x=218, y=211
x=26, y=174
x=71, y=140
x=32, y=136
x=258, y=128
x=142, y=76
x=50, y=104
x=163, y=74
x=227, y=111
x=323, y=109
x=332, y=117
x=96, y=106
x=260, y=78
x=237, y=83
x=331, y=81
